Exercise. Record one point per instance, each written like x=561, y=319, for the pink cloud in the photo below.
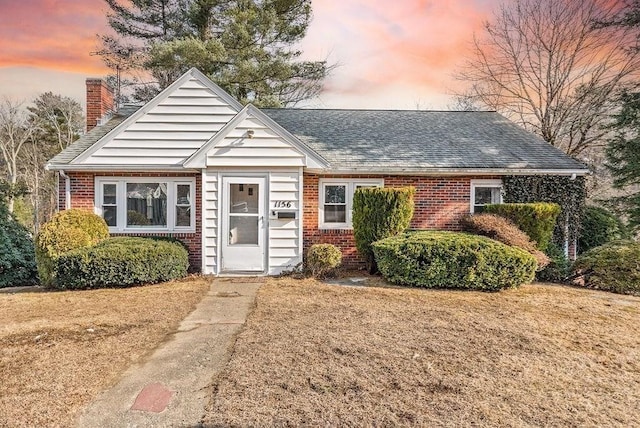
x=55, y=34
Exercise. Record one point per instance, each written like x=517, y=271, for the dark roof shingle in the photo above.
x=395, y=140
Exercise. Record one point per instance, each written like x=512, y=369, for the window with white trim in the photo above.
x=485, y=192
x=336, y=200
x=146, y=204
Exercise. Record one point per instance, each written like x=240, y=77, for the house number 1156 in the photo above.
x=282, y=204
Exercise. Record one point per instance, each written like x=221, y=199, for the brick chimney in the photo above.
x=99, y=101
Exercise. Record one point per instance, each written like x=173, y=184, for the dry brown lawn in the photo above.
x=60, y=349
x=323, y=355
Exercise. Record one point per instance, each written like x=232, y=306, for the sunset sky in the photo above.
x=390, y=54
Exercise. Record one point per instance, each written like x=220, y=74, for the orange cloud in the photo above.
x=409, y=43
x=52, y=34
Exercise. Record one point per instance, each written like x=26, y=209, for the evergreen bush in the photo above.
x=66, y=231
x=599, y=226
x=503, y=230
x=452, y=260
x=380, y=213
x=17, y=256
x=322, y=259
x=559, y=267
x=121, y=262
x=614, y=266
x=536, y=219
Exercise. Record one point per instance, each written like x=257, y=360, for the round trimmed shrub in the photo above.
x=613, y=267
x=122, y=262
x=452, y=260
x=536, y=219
x=322, y=259
x=66, y=231
x=599, y=226
x=505, y=231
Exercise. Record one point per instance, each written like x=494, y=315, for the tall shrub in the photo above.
x=17, y=258
x=379, y=213
x=566, y=191
x=599, y=226
x=535, y=219
x=67, y=230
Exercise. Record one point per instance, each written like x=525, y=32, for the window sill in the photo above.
x=149, y=231
x=335, y=230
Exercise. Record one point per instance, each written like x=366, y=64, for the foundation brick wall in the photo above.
x=82, y=196
x=440, y=202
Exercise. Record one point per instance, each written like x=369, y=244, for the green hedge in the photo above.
x=66, y=231
x=322, y=259
x=121, y=262
x=452, y=260
x=535, y=219
x=379, y=213
x=599, y=226
x=614, y=267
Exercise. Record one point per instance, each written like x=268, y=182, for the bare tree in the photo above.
x=546, y=65
x=58, y=121
x=15, y=132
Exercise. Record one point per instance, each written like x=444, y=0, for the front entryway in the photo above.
x=243, y=224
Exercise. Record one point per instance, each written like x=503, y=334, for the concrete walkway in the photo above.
x=170, y=389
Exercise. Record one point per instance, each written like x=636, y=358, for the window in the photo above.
x=146, y=204
x=336, y=201
x=484, y=192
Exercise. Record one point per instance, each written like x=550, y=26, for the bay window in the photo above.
x=146, y=204
x=336, y=201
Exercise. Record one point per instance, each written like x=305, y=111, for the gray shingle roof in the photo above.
x=91, y=137
x=397, y=140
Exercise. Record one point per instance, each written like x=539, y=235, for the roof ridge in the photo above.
x=378, y=110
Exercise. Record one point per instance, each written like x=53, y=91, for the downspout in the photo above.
x=67, y=189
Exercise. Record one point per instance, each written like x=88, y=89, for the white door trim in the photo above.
x=255, y=257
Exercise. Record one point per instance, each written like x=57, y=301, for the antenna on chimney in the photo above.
x=112, y=64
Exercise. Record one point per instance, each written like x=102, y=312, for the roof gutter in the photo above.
x=573, y=173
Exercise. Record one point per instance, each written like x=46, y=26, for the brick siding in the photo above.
x=83, y=197
x=440, y=202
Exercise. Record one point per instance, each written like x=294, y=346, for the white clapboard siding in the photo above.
x=285, y=250
x=210, y=222
x=264, y=149
x=171, y=131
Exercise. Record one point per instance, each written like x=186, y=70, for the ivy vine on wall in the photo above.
x=569, y=194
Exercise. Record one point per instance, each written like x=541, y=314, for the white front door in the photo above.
x=243, y=224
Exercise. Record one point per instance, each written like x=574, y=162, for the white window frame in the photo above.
x=350, y=187
x=121, y=203
x=491, y=183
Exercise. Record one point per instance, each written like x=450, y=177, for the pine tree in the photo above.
x=246, y=46
x=623, y=149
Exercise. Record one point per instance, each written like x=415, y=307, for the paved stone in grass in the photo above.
x=154, y=397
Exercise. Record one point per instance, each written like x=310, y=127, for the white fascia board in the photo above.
x=452, y=171
x=116, y=168
x=193, y=72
